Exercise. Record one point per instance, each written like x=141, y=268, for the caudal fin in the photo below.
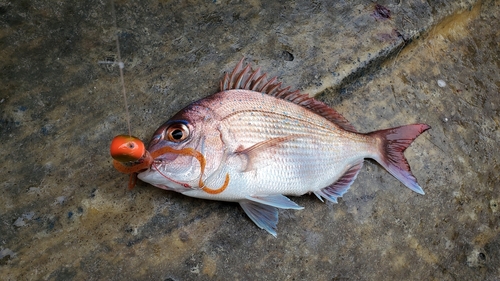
x=393, y=142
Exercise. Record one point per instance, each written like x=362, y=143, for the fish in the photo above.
x=256, y=142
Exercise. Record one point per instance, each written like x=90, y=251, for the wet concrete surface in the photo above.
x=66, y=213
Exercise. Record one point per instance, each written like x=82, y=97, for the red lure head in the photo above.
x=130, y=156
x=126, y=148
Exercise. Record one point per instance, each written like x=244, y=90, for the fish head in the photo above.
x=186, y=149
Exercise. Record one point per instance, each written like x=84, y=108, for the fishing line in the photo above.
x=121, y=65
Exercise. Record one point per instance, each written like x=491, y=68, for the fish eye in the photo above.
x=177, y=132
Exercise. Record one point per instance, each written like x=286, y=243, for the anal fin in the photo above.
x=336, y=190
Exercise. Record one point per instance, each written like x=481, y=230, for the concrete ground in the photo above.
x=66, y=213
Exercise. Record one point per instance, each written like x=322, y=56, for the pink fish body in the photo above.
x=255, y=142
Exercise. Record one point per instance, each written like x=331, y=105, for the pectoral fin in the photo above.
x=253, y=152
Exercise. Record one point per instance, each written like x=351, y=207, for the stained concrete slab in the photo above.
x=66, y=213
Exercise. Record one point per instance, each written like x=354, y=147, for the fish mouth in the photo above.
x=152, y=160
x=165, y=160
x=165, y=155
x=161, y=156
x=187, y=151
x=157, y=167
x=156, y=161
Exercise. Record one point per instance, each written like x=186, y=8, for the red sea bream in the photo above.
x=255, y=142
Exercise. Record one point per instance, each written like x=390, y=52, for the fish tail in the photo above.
x=392, y=144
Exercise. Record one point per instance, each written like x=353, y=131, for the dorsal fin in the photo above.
x=248, y=79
